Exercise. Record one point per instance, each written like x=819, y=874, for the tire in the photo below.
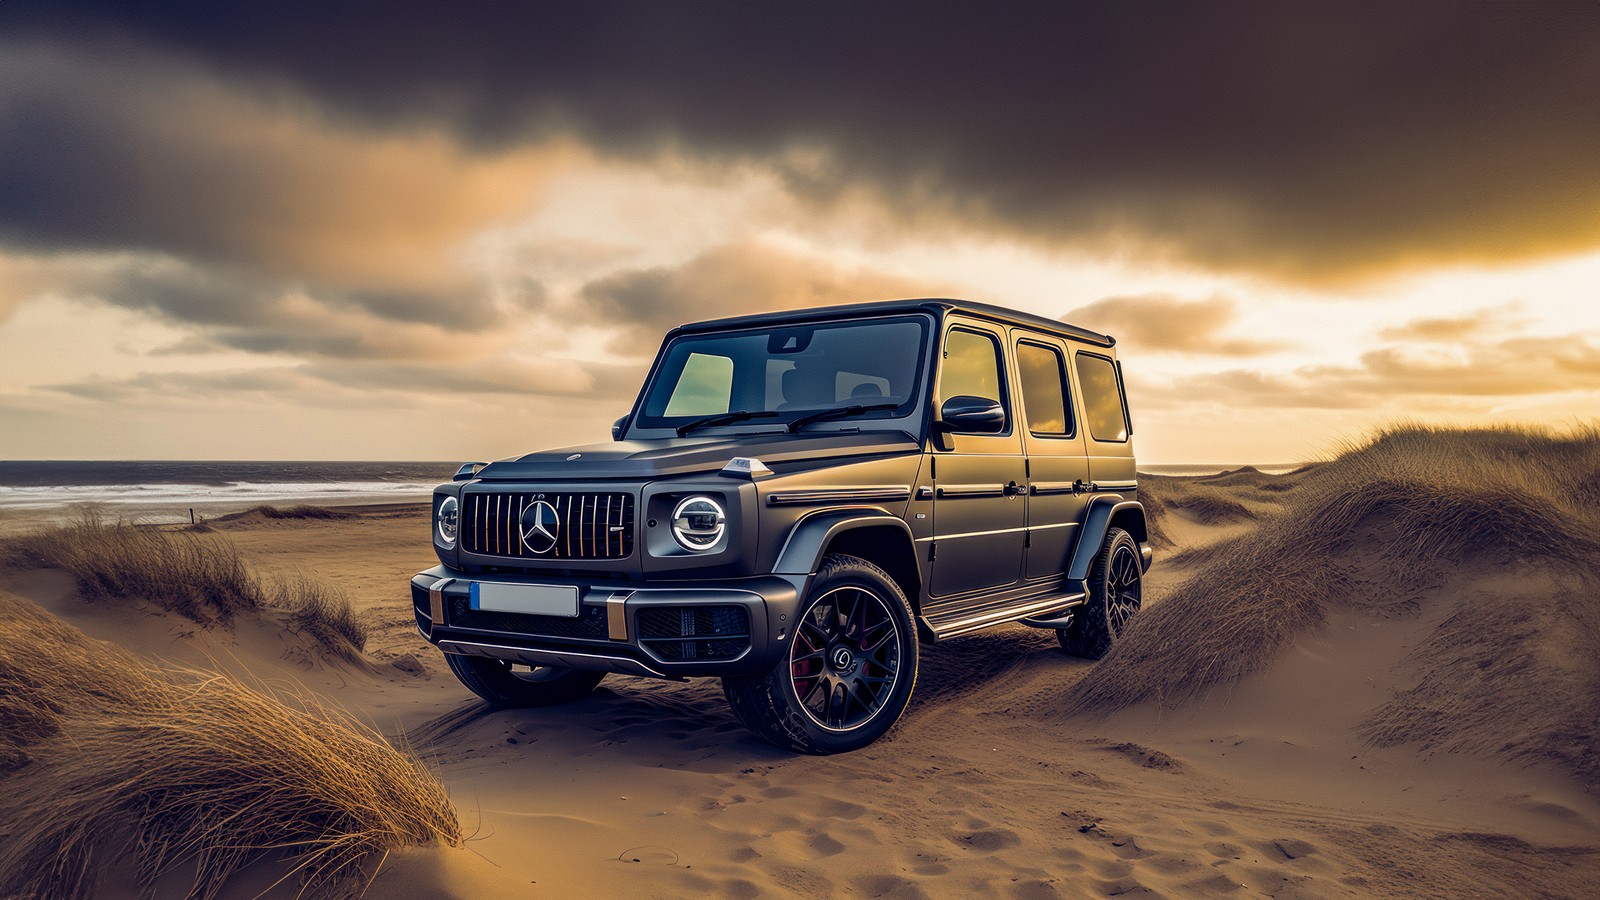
x=504, y=688
x=1115, y=595
x=818, y=700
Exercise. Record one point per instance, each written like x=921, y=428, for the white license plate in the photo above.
x=528, y=599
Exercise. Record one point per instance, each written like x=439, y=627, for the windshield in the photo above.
x=788, y=371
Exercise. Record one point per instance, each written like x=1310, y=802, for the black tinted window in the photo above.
x=1102, y=398
x=1043, y=375
x=790, y=370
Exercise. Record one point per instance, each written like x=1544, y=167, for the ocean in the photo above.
x=163, y=491
x=43, y=491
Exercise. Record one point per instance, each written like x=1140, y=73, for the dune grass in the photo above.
x=301, y=512
x=202, y=578
x=1205, y=503
x=1374, y=526
x=105, y=758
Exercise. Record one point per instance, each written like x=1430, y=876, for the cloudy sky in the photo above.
x=240, y=231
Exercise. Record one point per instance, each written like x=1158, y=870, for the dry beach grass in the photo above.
x=198, y=576
x=105, y=757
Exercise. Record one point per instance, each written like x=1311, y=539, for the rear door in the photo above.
x=979, y=516
x=1058, y=468
x=1105, y=416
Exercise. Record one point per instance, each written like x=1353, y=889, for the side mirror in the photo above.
x=619, y=428
x=966, y=414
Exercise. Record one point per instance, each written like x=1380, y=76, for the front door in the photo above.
x=980, y=517
x=1058, y=469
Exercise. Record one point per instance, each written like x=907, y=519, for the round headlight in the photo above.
x=449, y=521
x=698, y=523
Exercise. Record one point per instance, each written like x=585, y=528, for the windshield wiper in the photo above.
x=838, y=412
x=727, y=418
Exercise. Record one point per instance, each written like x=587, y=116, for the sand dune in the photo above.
x=1337, y=692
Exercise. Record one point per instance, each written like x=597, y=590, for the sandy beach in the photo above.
x=992, y=786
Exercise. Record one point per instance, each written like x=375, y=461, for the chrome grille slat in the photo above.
x=492, y=524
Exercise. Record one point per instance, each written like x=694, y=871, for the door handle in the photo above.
x=1012, y=489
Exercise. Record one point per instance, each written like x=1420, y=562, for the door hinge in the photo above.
x=1027, y=539
x=933, y=550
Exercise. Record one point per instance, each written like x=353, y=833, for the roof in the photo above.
x=934, y=305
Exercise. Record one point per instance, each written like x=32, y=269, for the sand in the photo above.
x=652, y=789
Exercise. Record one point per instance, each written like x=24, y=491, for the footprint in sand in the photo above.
x=841, y=809
x=1293, y=849
x=824, y=845
x=650, y=854
x=988, y=841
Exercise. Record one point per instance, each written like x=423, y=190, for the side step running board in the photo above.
x=1059, y=620
x=1049, y=609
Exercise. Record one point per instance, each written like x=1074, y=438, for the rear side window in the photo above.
x=971, y=367
x=1043, y=374
x=1102, y=398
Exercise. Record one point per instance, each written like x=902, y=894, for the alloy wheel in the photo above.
x=1123, y=594
x=844, y=661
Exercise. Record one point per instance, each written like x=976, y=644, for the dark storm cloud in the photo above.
x=1307, y=141
x=244, y=310
x=124, y=151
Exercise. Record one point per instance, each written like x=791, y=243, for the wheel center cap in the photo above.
x=842, y=659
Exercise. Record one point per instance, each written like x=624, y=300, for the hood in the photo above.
x=666, y=457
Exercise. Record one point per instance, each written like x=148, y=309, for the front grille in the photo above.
x=589, y=625
x=680, y=633
x=588, y=525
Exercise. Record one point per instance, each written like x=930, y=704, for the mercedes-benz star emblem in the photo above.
x=538, y=526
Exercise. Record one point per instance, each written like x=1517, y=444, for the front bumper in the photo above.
x=660, y=630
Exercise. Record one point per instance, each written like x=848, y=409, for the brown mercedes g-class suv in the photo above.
x=796, y=502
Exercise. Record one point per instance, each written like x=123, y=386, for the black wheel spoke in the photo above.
x=844, y=662
x=1122, y=588
x=807, y=657
x=818, y=637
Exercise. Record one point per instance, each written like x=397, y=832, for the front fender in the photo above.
x=803, y=549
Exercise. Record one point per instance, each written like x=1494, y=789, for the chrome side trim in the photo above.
x=572, y=659
x=884, y=494
x=967, y=534
x=1056, y=487
x=617, y=615
x=971, y=490
x=1115, y=485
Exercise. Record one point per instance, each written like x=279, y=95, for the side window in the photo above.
x=971, y=367
x=1043, y=375
x=1102, y=397
x=705, y=388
